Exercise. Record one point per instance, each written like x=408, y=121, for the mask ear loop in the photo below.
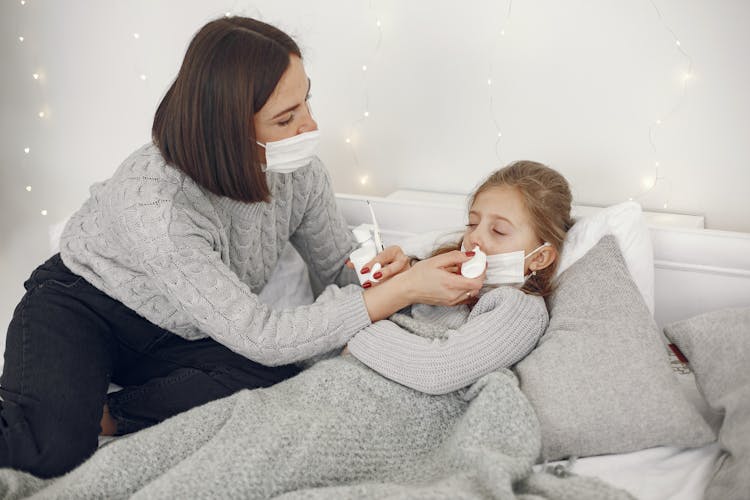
x=533, y=273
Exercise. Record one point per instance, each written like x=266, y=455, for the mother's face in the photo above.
x=286, y=113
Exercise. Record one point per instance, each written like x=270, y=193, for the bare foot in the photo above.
x=108, y=424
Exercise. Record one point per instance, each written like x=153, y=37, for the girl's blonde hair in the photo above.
x=547, y=198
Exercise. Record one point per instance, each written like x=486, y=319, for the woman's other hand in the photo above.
x=392, y=260
x=437, y=280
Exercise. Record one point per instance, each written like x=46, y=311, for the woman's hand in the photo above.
x=433, y=281
x=393, y=262
x=437, y=280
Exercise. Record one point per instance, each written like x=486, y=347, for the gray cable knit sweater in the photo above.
x=438, y=350
x=193, y=262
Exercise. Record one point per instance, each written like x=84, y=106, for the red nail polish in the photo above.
x=470, y=254
x=377, y=275
x=365, y=270
x=366, y=284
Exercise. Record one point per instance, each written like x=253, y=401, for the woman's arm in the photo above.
x=323, y=238
x=503, y=327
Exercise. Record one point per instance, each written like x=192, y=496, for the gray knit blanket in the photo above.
x=339, y=430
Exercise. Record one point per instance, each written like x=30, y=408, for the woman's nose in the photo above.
x=308, y=124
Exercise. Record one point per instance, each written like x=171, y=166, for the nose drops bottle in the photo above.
x=365, y=253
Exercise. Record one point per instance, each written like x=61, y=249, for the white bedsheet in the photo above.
x=662, y=473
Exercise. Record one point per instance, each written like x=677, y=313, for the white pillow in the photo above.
x=624, y=221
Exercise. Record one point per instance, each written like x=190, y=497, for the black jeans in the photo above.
x=68, y=340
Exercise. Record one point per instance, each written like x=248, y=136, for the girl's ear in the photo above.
x=543, y=258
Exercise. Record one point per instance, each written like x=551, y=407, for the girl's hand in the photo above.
x=437, y=280
x=393, y=262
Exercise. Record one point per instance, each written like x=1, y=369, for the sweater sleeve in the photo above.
x=502, y=329
x=323, y=238
x=184, y=265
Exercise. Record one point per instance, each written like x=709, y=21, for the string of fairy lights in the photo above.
x=651, y=182
x=497, y=39
x=353, y=134
x=38, y=77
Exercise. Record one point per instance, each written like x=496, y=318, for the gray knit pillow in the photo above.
x=717, y=346
x=599, y=379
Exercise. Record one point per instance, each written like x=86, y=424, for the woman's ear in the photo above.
x=543, y=258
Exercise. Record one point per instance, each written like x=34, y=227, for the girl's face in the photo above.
x=499, y=223
x=286, y=112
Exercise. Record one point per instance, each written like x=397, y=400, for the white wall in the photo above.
x=575, y=84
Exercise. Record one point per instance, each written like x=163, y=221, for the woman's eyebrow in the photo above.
x=496, y=216
x=309, y=86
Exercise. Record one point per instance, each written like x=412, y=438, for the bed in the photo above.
x=691, y=271
x=695, y=271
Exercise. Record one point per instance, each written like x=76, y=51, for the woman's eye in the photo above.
x=286, y=122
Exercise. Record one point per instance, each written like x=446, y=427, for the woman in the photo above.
x=155, y=286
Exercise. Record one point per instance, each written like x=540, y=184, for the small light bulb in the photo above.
x=20, y=39
x=227, y=14
x=44, y=212
x=364, y=68
x=28, y=188
x=502, y=32
x=499, y=134
x=677, y=42
x=656, y=163
x=363, y=180
x=143, y=77
x=630, y=199
x=348, y=141
x=367, y=113
x=136, y=36
x=23, y=2
x=658, y=122
x=688, y=76
x=665, y=205
x=489, y=81
x=26, y=150
x=648, y=182
x=41, y=114
x=36, y=76
x=377, y=23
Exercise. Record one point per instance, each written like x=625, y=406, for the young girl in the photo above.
x=156, y=284
x=341, y=425
x=519, y=217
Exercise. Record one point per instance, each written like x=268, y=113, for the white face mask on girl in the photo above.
x=287, y=155
x=507, y=268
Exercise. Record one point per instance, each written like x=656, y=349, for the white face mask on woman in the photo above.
x=287, y=155
x=507, y=268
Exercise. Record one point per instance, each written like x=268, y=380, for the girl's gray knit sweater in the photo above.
x=193, y=262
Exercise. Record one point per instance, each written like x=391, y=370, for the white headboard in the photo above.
x=696, y=270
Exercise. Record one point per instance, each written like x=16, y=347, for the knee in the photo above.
x=45, y=449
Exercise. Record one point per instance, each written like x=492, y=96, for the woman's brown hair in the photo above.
x=204, y=124
x=547, y=197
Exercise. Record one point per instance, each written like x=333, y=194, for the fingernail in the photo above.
x=377, y=275
x=365, y=270
x=366, y=284
x=470, y=254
